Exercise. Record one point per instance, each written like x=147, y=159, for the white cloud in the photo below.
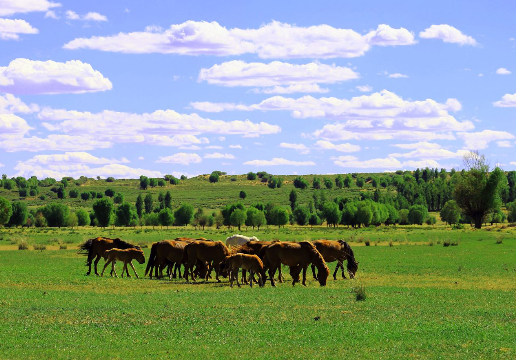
x=24, y=76
x=51, y=14
x=419, y=145
x=10, y=7
x=344, y=158
x=505, y=144
x=513, y=163
x=278, y=161
x=91, y=16
x=214, y=147
x=162, y=127
x=10, y=29
x=448, y=34
x=327, y=145
x=503, y=71
x=431, y=154
x=2, y=165
x=508, y=100
x=480, y=140
x=219, y=156
x=273, y=40
x=141, y=158
x=10, y=104
x=180, y=158
x=398, y=75
x=55, y=142
x=340, y=133
x=235, y=146
x=389, y=163
x=12, y=126
x=364, y=88
x=276, y=77
x=302, y=148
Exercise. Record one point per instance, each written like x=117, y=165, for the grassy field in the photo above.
x=423, y=300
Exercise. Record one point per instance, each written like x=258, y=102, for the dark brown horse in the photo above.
x=337, y=251
x=163, y=253
x=211, y=252
x=297, y=256
x=96, y=248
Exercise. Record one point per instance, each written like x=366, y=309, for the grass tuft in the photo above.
x=367, y=243
x=40, y=247
x=499, y=240
x=63, y=247
x=360, y=292
x=23, y=245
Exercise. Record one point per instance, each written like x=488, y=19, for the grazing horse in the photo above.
x=233, y=263
x=337, y=251
x=125, y=255
x=254, y=248
x=96, y=248
x=297, y=256
x=163, y=253
x=207, y=252
x=235, y=240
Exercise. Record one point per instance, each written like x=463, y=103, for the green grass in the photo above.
x=422, y=301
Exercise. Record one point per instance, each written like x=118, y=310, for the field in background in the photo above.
x=423, y=300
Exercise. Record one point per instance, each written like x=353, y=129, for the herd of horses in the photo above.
x=199, y=257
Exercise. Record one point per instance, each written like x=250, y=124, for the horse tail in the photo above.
x=350, y=257
x=152, y=258
x=86, y=249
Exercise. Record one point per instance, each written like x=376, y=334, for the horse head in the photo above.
x=140, y=257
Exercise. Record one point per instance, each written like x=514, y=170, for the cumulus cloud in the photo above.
x=162, y=127
x=327, y=145
x=24, y=76
x=508, y=100
x=214, y=147
x=503, y=71
x=448, y=34
x=91, y=16
x=278, y=161
x=302, y=148
x=218, y=155
x=180, y=158
x=291, y=89
x=11, y=29
x=431, y=153
x=398, y=75
x=480, y=140
x=388, y=163
x=51, y=14
x=10, y=104
x=273, y=40
x=505, y=144
x=10, y=7
x=12, y=126
x=419, y=145
x=235, y=146
x=55, y=142
x=277, y=76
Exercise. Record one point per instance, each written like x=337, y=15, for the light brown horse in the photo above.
x=96, y=248
x=339, y=251
x=297, y=256
x=254, y=248
x=163, y=253
x=125, y=255
x=207, y=252
x=233, y=263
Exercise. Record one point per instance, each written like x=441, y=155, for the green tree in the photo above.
x=300, y=183
x=293, y=199
x=144, y=182
x=450, y=213
x=166, y=218
x=103, y=209
x=301, y=215
x=153, y=182
x=364, y=213
x=214, y=177
x=73, y=220
x=417, y=214
x=238, y=218
x=148, y=203
x=360, y=182
x=56, y=214
x=314, y=220
x=125, y=214
x=109, y=192
x=316, y=183
x=118, y=198
x=184, y=214
x=83, y=218
x=61, y=193
x=404, y=219
x=74, y=194
x=331, y=213
x=151, y=219
x=6, y=210
x=85, y=195
x=328, y=183
x=243, y=194
x=339, y=182
x=168, y=200
x=251, y=176
x=139, y=205
x=347, y=181
x=206, y=220
x=8, y=184
x=19, y=214
x=511, y=212
x=476, y=189
x=279, y=216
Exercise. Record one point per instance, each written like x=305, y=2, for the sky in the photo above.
x=129, y=88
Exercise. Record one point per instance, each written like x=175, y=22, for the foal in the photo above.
x=125, y=255
x=252, y=263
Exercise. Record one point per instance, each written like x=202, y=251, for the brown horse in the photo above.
x=298, y=256
x=233, y=263
x=125, y=255
x=163, y=253
x=207, y=252
x=254, y=248
x=96, y=248
x=337, y=251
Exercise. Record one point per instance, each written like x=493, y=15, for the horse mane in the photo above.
x=121, y=244
x=350, y=257
x=316, y=255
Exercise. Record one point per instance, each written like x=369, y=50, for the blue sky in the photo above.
x=124, y=88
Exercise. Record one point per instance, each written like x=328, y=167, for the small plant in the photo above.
x=63, y=247
x=499, y=240
x=40, y=247
x=430, y=243
x=23, y=245
x=360, y=292
x=438, y=242
x=391, y=244
x=446, y=243
x=367, y=243
x=454, y=243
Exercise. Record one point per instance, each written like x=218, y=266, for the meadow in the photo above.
x=423, y=300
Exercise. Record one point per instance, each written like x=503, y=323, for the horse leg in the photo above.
x=342, y=267
x=272, y=272
x=335, y=272
x=217, y=270
x=127, y=269
x=105, y=266
x=280, y=275
x=88, y=263
x=313, y=271
x=237, y=270
x=251, y=275
x=304, y=275
x=113, y=268
x=135, y=273
x=244, y=276
x=96, y=262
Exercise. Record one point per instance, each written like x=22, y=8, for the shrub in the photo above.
x=360, y=292
x=110, y=179
x=109, y=192
x=63, y=247
x=367, y=243
x=233, y=178
x=300, y=183
x=214, y=177
x=431, y=220
x=243, y=194
x=23, y=245
x=39, y=247
x=251, y=176
x=74, y=193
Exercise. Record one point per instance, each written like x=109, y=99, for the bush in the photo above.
x=110, y=179
x=109, y=192
x=243, y=194
x=431, y=220
x=74, y=193
x=360, y=292
x=23, y=245
x=251, y=176
x=23, y=192
x=300, y=183
x=214, y=177
x=39, y=247
x=417, y=214
x=118, y=198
